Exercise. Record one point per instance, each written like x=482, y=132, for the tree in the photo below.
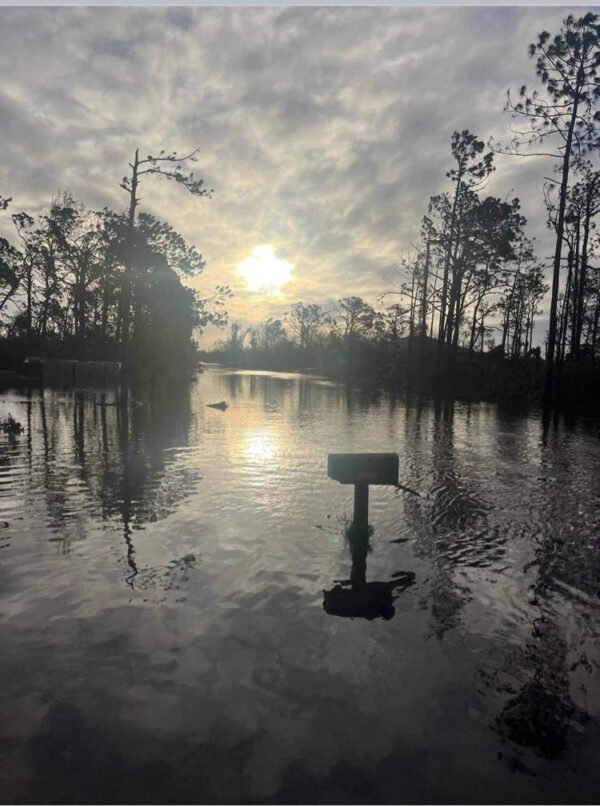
x=486, y=233
x=170, y=314
x=66, y=282
x=234, y=344
x=171, y=167
x=470, y=173
x=269, y=334
x=23, y=224
x=524, y=288
x=63, y=254
x=10, y=262
x=306, y=322
x=495, y=229
x=356, y=317
x=9, y=258
x=583, y=204
x=567, y=67
x=394, y=321
x=75, y=241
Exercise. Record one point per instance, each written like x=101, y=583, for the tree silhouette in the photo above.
x=65, y=284
x=356, y=317
x=565, y=113
x=470, y=173
x=170, y=167
x=306, y=321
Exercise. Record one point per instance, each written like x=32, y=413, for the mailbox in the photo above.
x=363, y=468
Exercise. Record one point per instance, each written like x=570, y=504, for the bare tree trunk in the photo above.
x=580, y=300
x=442, y=321
x=531, y=316
x=572, y=308
x=128, y=273
x=433, y=293
x=550, y=383
x=473, y=328
x=595, y=326
x=505, y=328
x=29, y=289
x=423, y=334
x=565, y=313
x=450, y=317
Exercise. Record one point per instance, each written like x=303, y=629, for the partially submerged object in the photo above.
x=363, y=599
x=10, y=426
x=362, y=469
x=221, y=406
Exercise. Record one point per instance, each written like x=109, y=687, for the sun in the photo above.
x=264, y=271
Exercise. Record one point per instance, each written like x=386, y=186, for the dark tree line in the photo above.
x=578, y=307
x=474, y=272
x=106, y=285
x=561, y=121
x=109, y=284
x=474, y=281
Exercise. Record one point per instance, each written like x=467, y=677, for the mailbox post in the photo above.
x=361, y=506
x=362, y=469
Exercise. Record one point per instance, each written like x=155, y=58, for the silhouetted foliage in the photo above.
x=62, y=288
x=474, y=274
x=566, y=113
x=306, y=322
x=171, y=167
x=460, y=312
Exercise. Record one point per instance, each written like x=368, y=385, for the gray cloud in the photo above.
x=323, y=130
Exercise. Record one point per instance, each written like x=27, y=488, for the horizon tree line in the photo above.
x=107, y=282
x=474, y=270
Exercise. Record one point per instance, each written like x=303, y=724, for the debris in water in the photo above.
x=11, y=426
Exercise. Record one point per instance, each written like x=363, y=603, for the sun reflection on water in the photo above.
x=259, y=447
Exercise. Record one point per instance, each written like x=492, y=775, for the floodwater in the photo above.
x=181, y=619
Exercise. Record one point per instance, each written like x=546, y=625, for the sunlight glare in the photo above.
x=259, y=447
x=263, y=271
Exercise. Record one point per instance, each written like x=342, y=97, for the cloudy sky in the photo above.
x=323, y=131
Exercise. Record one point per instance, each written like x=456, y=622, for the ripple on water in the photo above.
x=164, y=582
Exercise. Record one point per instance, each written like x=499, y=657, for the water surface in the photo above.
x=164, y=570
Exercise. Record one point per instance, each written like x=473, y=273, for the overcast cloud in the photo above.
x=323, y=131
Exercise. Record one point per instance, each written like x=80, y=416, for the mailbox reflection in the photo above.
x=357, y=598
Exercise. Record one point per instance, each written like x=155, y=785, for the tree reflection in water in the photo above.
x=539, y=715
x=93, y=453
x=115, y=700
x=453, y=528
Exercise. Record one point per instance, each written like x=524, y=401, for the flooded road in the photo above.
x=173, y=624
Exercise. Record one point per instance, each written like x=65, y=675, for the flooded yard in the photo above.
x=164, y=571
